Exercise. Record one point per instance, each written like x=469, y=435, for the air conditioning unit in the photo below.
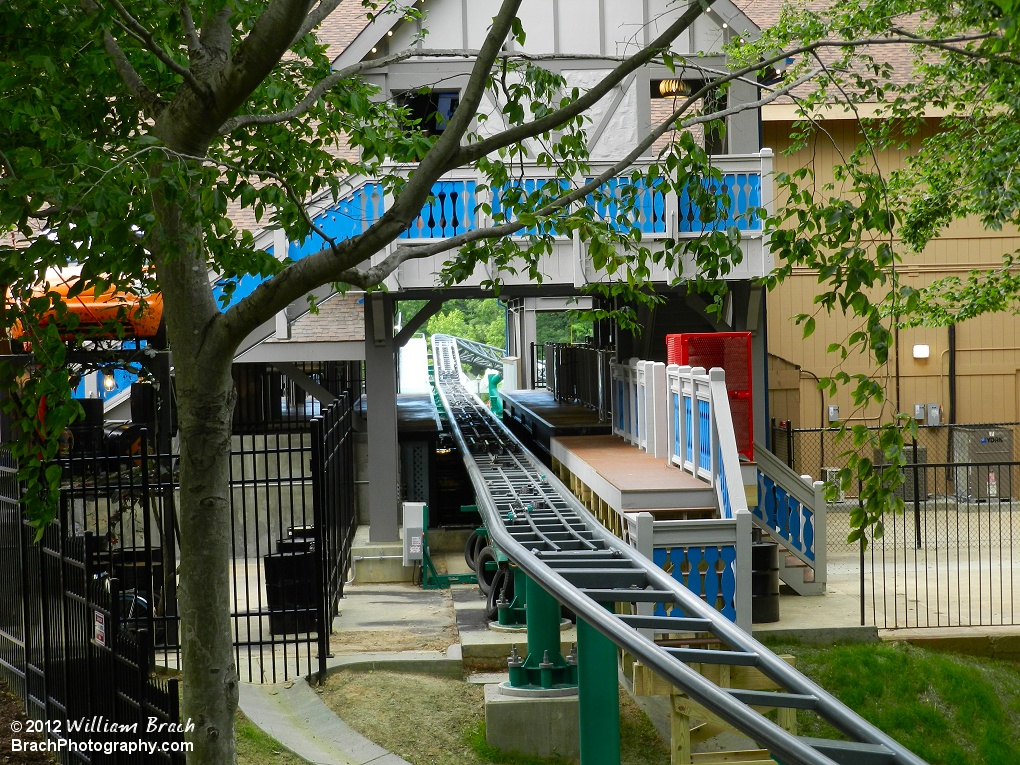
x=831, y=475
x=906, y=489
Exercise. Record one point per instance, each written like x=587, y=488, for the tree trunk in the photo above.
x=205, y=403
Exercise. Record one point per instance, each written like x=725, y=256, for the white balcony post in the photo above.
x=658, y=398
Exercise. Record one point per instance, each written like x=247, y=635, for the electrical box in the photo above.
x=934, y=414
x=984, y=456
x=920, y=412
x=833, y=412
x=414, y=532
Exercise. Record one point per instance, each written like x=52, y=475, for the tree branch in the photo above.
x=137, y=30
x=327, y=83
x=256, y=55
x=190, y=30
x=135, y=84
x=316, y=17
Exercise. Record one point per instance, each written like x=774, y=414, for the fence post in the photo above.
x=644, y=543
x=821, y=541
x=320, y=430
x=742, y=603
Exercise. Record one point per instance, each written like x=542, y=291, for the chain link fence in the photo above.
x=821, y=453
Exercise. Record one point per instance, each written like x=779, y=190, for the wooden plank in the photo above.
x=731, y=758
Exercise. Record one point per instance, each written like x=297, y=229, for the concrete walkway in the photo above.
x=294, y=715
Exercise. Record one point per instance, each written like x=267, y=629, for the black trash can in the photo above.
x=764, y=582
x=290, y=592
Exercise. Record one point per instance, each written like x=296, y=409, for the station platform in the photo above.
x=536, y=418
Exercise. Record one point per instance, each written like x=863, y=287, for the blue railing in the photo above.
x=786, y=516
x=449, y=211
x=737, y=205
x=709, y=572
x=726, y=509
x=648, y=201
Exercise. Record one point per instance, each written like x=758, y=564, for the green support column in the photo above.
x=544, y=667
x=598, y=697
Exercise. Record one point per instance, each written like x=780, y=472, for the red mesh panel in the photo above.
x=743, y=423
x=731, y=351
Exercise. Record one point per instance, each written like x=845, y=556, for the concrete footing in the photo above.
x=537, y=723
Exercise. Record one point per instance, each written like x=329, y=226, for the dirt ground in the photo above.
x=12, y=711
x=426, y=720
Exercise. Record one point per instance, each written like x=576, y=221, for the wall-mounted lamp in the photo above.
x=669, y=88
x=922, y=351
x=109, y=381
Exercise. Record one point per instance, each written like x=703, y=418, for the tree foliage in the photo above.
x=130, y=133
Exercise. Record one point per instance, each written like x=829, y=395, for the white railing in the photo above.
x=682, y=414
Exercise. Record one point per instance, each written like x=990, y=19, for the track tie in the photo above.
x=666, y=623
x=771, y=698
x=709, y=656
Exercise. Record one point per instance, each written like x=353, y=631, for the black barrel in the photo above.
x=764, y=582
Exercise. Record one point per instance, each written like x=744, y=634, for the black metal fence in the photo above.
x=538, y=365
x=88, y=613
x=74, y=645
x=580, y=374
x=951, y=558
x=820, y=453
x=293, y=528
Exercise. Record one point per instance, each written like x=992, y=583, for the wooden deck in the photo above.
x=626, y=478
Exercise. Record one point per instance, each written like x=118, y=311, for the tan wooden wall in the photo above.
x=988, y=347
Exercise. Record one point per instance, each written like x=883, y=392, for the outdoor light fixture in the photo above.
x=672, y=88
x=109, y=381
x=922, y=351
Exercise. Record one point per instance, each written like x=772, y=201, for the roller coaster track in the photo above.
x=544, y=529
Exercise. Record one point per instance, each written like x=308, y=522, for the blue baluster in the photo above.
x=795, y=511
x=729, y=581
x=712, y=586
x=809, y=533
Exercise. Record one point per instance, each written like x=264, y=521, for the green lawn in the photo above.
x=949, y=709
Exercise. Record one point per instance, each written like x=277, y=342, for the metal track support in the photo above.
x=544, y=666
x=598, y=697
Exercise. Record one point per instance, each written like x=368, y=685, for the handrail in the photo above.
x=801, y=527
x=494, y=446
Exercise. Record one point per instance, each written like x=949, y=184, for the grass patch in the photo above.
x=254, y=747
x=438, y=721
x=948, y=709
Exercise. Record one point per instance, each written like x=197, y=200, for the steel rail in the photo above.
x=542, y=528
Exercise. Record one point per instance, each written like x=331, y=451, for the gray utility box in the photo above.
x=906, y=489
x=992, y=450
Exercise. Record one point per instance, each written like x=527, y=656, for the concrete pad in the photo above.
x=393, y=606
x=551, y=723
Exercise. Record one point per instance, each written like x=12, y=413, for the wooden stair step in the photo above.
x=731, y=758
x=677, y=513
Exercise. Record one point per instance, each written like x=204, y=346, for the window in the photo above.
x=430, y=109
